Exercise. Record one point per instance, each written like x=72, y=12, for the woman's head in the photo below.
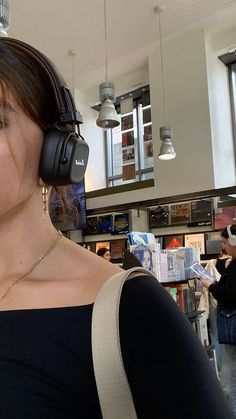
x=26, y=80
x=104, y=253
x=229, y=239
x=28, y=108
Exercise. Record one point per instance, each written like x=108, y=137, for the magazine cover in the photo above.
x=141, y=238
x=202, y=272
x=148, y=255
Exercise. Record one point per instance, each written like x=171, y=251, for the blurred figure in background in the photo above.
x=104, y=253
x=217, y=268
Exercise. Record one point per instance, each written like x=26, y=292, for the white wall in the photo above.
x=220, y=116
x=95, y=177
x=189, y=112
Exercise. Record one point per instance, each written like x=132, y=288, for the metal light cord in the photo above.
x=51, y=247
x=159, y=10
x=105, y=36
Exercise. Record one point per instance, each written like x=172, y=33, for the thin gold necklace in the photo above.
x=13, y=283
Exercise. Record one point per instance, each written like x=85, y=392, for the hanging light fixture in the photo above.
x=167, y=151
x=4, y=17
x=107, y=117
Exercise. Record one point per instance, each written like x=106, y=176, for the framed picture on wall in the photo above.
x=173, y=241
x=179, y=213
x=159, y=216
x=213, y=243
x=116, y=248
x=224, y=216
x=105, y=223
x=201, y=212
x=89, y=246
x=195, y=240
x=92, y=226
x=121, y=224
x=100, y=245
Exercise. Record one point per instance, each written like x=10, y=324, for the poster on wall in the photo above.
x=195, y=240
x=201, y=212
x=128, y=155
x=121, y=224
x=105, y=223
x=116, y=248
x=179, y=213
x=147, y=133
x=159, y=216
x=128, y=172
x=92, y=226
x=173, y=241
x=100, y=245
x=89, y=246
x=213, y=243
x=148, y=149
x=126, y=122
x=224, y=216
x=127, y=139
x=126, y=105
x=75, y=217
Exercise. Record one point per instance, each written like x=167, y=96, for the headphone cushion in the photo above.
x=64, y=158
x=232, y=237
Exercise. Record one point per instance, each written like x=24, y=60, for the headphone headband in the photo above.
x=64, y=100
x=232, y=237
x=64, y=153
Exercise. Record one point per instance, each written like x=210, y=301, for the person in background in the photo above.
x=216, y=267
x=104, y=253
x=224, y=292
x=48, y=285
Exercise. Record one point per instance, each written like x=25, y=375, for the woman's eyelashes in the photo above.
x=3, y=124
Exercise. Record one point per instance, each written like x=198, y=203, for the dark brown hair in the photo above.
x=102, y=251
x=29, y=83
x=27, y=80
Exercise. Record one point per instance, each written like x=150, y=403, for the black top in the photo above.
x=224, y=291
x=46, y=362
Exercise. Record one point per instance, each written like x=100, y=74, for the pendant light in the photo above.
x=107, y=117
x=167, y=151
x=4, y=17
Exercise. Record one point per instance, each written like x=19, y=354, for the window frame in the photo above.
x=139, y=172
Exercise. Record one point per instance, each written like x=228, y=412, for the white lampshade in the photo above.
x=108, y=117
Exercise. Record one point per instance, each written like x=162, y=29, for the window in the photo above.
x=232, y=78
x=229, y=59
x=129, y=146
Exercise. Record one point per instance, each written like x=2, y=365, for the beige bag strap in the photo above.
x=113, y=389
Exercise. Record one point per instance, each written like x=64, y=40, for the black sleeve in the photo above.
x=167, y=367
x=224, y=291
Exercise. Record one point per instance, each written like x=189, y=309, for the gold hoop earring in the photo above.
x=45, y=201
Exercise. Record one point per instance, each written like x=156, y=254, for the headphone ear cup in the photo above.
x=232, y=237
x=64, y=158
x=232, y=240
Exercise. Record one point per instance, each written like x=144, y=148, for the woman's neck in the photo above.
x=24, y=235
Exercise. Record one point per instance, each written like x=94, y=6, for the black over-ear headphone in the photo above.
x=64, y=153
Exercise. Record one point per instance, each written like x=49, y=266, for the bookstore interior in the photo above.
x=176, y=242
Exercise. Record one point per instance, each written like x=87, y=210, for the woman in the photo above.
x=216, y=267
x=104, y=253
x=48, y=286
x=224, y=292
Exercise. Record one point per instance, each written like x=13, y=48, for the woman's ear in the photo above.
x=41, y=182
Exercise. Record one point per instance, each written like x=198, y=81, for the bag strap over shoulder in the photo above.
x=113, y=389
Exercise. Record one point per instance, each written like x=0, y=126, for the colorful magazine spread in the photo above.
x=202, y=272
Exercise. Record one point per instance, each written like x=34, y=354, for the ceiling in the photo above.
x=59, y=26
